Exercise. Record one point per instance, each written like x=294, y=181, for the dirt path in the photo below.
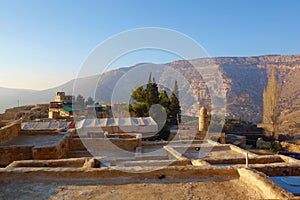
x=223, y=189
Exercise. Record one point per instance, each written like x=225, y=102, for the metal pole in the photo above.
x=247, y=164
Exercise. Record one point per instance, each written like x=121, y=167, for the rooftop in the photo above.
x=48, y=164
x=34, y=140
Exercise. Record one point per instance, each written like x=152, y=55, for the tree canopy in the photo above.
x=80, y=100
x=89, y=101
x=145, y=97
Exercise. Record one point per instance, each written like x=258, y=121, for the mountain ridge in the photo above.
x=243, y=77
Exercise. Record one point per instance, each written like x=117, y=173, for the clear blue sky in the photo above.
x=43, y=43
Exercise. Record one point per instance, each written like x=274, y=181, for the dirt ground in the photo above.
x=146, y=189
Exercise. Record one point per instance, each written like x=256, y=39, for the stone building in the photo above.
x=57, y=108
x=61, y=97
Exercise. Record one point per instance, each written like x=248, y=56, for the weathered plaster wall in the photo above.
x=260, y=182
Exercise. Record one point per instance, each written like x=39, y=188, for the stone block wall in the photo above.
x=58, y=150
x=99, y=144
x=10, y=131
x=75, y=144
x=129, y=144
x=38, y=132
x=55, y=151
x=124, y=142
x=171, y=172
x=12, y=153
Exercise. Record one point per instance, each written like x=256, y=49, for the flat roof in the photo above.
x=34, y=140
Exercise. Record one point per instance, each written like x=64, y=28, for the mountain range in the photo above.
x=244, y=80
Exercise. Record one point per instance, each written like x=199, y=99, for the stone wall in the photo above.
x=173, y=154
x=12, y=153
x=170, y=172
x=75, y=144
x=290, y=147
x=38, y=132
x=70, y=162
x=282, y=169
x=78, y=144
x=56, y=151
x=10, y=131
x=260, y=182
x=128, y=144
x=99, y=144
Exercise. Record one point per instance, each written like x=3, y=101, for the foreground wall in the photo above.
x=56, y=150
x=10, y=131
x=12, y=153
x=260, y=182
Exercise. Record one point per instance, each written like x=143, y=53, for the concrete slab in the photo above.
x=37, y=140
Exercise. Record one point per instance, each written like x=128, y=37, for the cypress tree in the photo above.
x=270, y=106
x=80, y=100
x=151, y=93
x=175, y=109
x=164, y=100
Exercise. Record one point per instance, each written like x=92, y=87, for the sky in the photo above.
x=44, y=43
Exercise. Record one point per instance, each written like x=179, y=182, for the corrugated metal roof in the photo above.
x=44, y=125
x=139, y=124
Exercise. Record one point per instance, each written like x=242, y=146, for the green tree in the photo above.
x=175, y=90
x=164, y=101
x=139, y=109
x=151, y=93
x=175, y=109
x=139, y=94
x=270, y=106
x=89, y=101
x=80, y=100
x=144, y=97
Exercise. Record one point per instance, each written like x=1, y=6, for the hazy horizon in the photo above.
x=118, y=67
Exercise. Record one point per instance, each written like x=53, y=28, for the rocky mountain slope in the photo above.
x=244, y=79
